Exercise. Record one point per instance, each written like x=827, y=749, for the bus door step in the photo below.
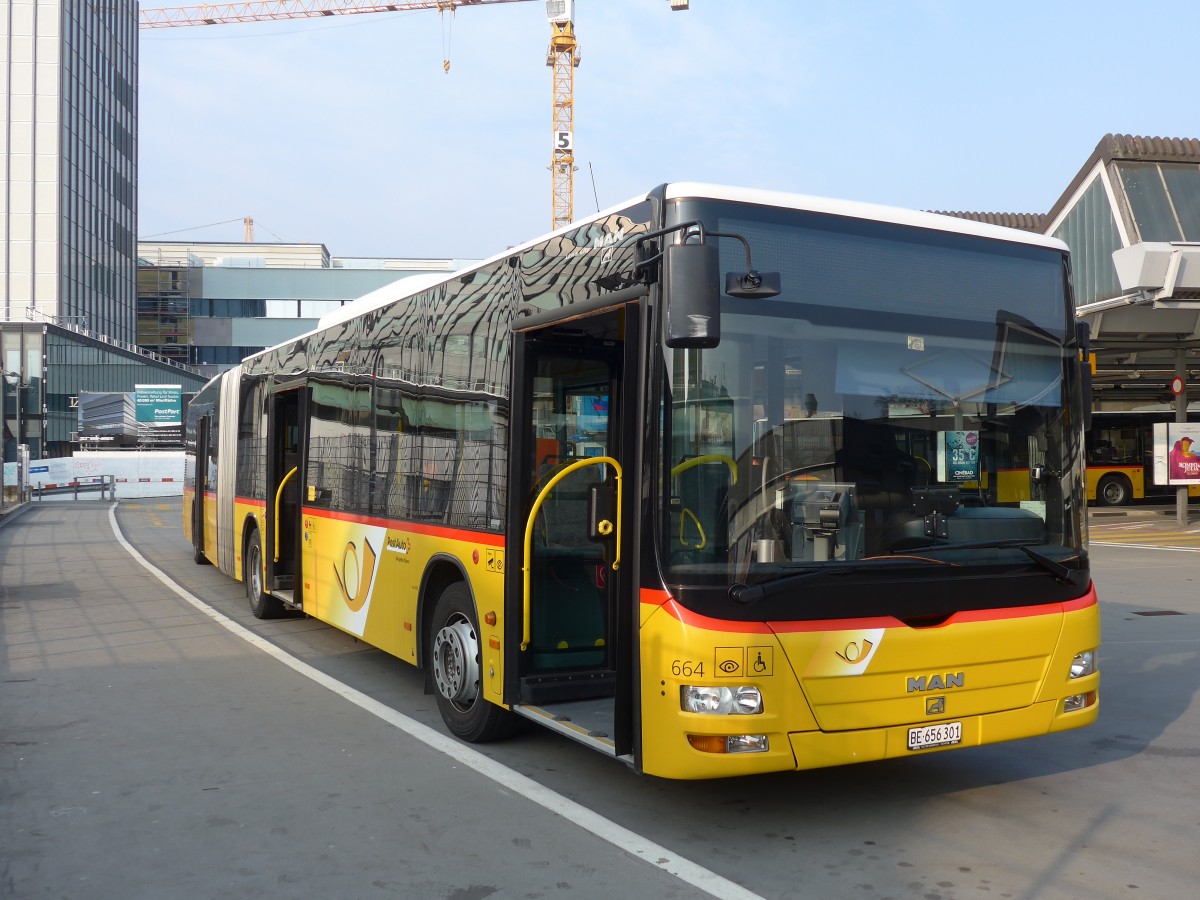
x=590, y=723
x=287, y=596
x=559, y=686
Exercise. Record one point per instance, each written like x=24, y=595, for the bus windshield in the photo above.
x=906, y=411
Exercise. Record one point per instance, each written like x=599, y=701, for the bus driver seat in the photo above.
x=882, y=473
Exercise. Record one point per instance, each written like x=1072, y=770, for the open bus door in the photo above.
x=203, y=436
x=286, y=421
x=570, y=638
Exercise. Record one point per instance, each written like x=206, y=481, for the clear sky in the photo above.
x=346, y=131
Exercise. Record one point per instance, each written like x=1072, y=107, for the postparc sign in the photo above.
x=159, y=404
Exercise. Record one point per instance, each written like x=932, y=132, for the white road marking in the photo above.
x=634, y=844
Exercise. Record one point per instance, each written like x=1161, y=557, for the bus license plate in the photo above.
x=945, y=735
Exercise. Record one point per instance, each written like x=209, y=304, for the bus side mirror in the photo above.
x=691, y=279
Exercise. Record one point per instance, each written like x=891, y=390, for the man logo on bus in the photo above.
x=354, y=579
x=935, y=682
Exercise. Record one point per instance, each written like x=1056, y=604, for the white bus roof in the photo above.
x=413, y=284
x=856, y=210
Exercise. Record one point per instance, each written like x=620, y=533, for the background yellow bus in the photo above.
x=1120, y=466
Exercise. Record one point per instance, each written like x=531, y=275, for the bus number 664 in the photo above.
x=687, y=668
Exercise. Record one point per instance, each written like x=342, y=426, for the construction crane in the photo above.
x=562, y=58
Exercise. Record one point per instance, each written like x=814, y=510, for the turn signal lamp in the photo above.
x=729, y=743
x=1076, y=702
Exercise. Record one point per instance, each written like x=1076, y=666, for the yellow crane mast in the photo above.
x=562, y=58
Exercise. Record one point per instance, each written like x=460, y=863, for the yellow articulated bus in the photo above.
x=695, y=482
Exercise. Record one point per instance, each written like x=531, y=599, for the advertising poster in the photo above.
x=962, y=456
x=159, y=404
x=1183, y=453
x=159, y=410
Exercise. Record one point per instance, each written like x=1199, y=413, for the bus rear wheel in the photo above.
x=455, y=661
x=263, y=605
x=1114, y=490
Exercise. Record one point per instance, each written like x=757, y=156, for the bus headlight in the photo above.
x=721, y=701
x=1083, y=664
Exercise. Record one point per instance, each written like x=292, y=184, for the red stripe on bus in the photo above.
x=442, y=531
x=1022, y=612
x=687, y=617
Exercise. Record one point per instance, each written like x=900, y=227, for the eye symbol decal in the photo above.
x=730, y=666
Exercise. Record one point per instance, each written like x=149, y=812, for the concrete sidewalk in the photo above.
x=10, y=511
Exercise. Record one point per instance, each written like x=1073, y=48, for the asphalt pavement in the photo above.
x=146, y=751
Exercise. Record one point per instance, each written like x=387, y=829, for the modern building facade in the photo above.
x=68, y=207
x=209, y=305
x=69, y=128
x=56, y=364
x=1132, y=219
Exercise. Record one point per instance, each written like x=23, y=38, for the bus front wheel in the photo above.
x=1114, y=490
x=456, y=660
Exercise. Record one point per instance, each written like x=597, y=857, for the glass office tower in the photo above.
x=69, y=73
x=68, y=195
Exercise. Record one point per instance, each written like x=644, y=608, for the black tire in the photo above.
x=455, y=663
x=264, y=606
x=1114, y=490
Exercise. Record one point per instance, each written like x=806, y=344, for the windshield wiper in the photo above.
x=752, y=593
x=1065, y=574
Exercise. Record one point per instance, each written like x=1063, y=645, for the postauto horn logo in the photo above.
x=356, y=574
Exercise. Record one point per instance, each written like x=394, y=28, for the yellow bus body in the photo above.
x=839, y=692
x=363, y=576
x=834, y=692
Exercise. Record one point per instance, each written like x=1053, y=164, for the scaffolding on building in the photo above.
x=164, y=309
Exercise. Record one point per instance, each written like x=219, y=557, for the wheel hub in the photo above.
x=456, y=663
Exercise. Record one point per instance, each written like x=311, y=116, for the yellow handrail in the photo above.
x=278, y=494
x=682, y=521
x=526, y=626
x=706, y=458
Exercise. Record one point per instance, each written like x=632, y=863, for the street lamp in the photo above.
x=13, y=378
